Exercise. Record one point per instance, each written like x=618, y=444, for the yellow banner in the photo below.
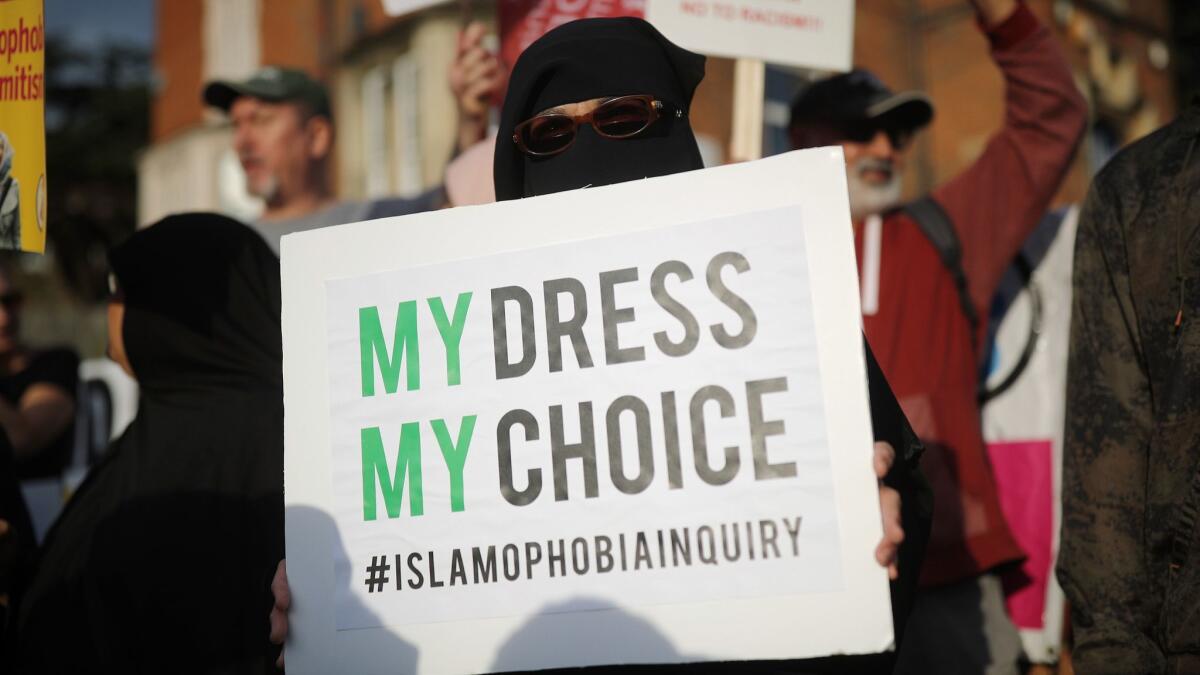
x=22, y=126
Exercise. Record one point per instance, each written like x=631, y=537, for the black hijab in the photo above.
x=162, y=561
x=594, y=58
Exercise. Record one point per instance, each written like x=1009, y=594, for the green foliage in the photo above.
x=97, y=120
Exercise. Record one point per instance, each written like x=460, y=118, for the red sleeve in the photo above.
x=997, y=201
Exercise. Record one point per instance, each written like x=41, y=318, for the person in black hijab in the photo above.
x=162, y=560
x=17, y=542
x=594, y=60
x=560, y=129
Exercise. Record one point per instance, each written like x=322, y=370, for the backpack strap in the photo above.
x=935, y=224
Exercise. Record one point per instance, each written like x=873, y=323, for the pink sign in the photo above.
x=1025, y=478
x=523, y=21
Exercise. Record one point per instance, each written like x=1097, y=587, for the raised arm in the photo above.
x=997, y=201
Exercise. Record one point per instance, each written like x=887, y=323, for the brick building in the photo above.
x=395, y=115
x=1118, y=49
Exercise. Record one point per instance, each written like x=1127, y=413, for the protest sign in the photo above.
x=399, y=7
x=624, y=424
x=807, y=33
x=22, y=126
x=523, y=21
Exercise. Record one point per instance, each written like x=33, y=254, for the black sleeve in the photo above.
x=15, y=553
x=916, y=499
x=59, y=367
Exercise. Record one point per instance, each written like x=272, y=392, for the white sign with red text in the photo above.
x=815, y=34
x=400, y=7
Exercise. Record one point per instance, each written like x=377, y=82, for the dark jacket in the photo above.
x=1130, y=558
x=162, y=560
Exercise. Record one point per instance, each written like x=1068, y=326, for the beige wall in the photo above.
x=427, y=43
x=178, y=64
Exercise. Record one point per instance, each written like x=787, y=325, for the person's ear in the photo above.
x=320, y=137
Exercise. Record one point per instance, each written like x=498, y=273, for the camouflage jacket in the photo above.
x=1130, y=552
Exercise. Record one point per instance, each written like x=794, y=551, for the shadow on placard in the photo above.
x=387, y=648
x=638, y=638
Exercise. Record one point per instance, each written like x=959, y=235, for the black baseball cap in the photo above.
x=857, y=97
x=274, y=84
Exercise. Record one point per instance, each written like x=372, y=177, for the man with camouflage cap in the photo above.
x=283, y=134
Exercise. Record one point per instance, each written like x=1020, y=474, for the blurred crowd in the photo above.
x=194, y=311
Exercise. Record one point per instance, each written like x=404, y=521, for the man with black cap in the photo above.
x=928, y=271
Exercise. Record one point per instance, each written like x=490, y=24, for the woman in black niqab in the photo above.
x=162, y=560
x=589, y=59
x=593, y=59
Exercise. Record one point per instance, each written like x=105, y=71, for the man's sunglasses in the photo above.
x=864, y=132
x=621, y=117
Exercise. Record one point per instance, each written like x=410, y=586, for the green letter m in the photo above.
x=373, y=348
x=375, y=466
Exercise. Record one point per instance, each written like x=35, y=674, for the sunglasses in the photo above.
x=617, y=118
x=864, y=132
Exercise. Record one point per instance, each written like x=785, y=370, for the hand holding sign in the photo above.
x=475, y=78
x=889, y=506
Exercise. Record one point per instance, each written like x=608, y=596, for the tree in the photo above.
x=97, y=119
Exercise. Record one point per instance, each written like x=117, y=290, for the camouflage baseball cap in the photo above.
x=274, y=84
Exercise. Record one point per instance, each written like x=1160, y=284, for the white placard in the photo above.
x=807, y=33
x=399, y=7
x=720, y=295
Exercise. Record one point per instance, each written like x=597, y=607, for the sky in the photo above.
x=91, y=23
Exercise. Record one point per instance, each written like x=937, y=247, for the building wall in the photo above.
x=395, y=115
x=183, y=173
x=295, y=33
x=935, y=45
x=178, y=65
x=232, y=40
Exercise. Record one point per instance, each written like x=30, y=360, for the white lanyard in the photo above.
x=872, y=250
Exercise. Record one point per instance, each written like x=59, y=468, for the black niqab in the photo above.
x=202, y=306
x=593, y=58
x=163, y=559
x=588, y=59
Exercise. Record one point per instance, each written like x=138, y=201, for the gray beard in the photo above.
x=867, y=199
x=268, y=191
